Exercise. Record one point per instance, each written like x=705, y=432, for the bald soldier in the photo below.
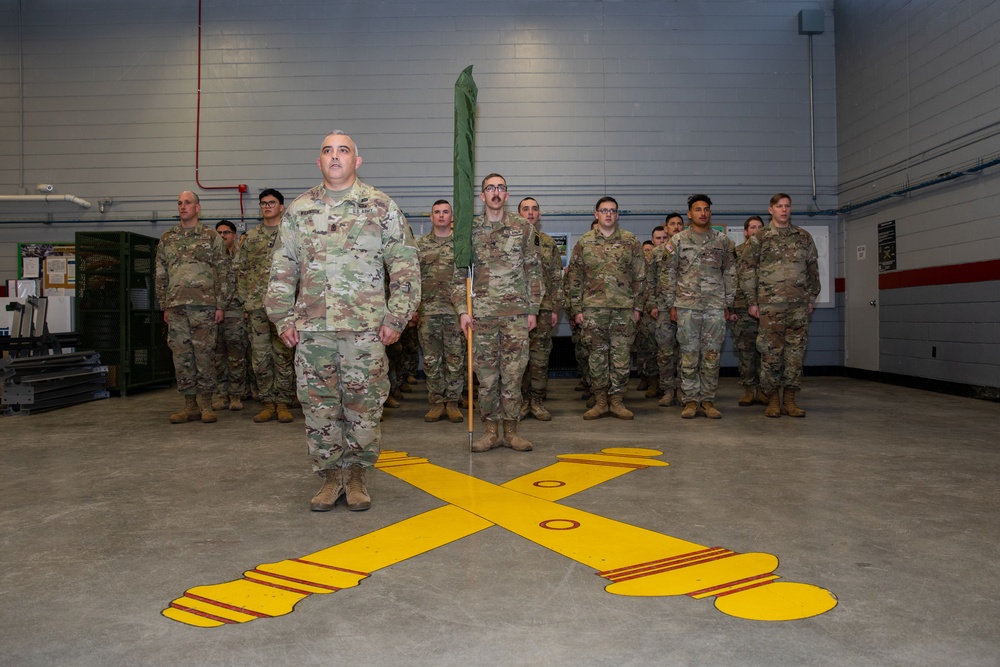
x=193, y=287
x=328, y=299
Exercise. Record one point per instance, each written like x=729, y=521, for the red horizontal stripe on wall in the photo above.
x=974, y=272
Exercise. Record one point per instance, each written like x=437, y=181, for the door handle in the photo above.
x=872, y=302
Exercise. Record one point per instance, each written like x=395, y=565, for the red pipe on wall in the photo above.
x=242, y=187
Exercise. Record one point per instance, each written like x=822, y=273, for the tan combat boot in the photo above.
x=773, y=409
x=358, y=499
x=391, y=401
x=235, y=404
x=512, y=439
x=525, y=407
x=643, y=383
x=265, y=415
x=453, y=413
x=190, y=413
x=709, y=410
x=207, y=415
x=489, y=439
x=690, y=410
x=284, y=414
x=435, y=413
x=220, y=401
x=747, y=398
x=618, y=408
x=760, y=398
x=330, y=492
x=654, y=387
x=600, y=405
x=788, y=406
x=668, y=399
x=538, y=410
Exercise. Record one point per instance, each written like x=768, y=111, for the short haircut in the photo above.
x=658, y=228
x=357, y=149
x=594, y=223
x=524, y=200
x=197, y=199
x=493, y=175
x=646, y=243
x=225, y=223
x=271, y=192
x=672, y=215
x=694, y=199
x=604, y=199
x=778, y=197
x=746, y=223
x=441, y=201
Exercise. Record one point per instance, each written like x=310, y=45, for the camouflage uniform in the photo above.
x=410, y=341
x=699, y=280
x=192, y=282
x=605, y=281
x=507, y=286
x=780, y=275
x=536, y=375
x=336, y=249
x=231, y=341
x=270, y=358
x=440, y=331
x=744, y=329
x=665, y=329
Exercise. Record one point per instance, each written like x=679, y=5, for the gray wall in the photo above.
x=648, y=101
x=917, y=97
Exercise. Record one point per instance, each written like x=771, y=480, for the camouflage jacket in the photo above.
x=437, y=271
x=552, y=273
x=701, y=272
x=191, y=268
x=507, y=269
x=740, y=302
x=234, y=307
x=253, y=264
x=780, y=265
x=606, y=272
x=657, y=264
x=329, y=273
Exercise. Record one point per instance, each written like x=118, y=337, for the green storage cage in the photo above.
x=116, y=310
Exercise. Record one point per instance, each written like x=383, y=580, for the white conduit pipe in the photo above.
x=82, y=203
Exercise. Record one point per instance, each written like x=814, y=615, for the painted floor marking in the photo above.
x=636, y=561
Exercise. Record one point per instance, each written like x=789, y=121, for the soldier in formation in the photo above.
x=231, y=340
x=744, y=327
x=327, y=298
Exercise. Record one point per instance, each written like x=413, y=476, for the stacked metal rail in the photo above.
x=34, y=384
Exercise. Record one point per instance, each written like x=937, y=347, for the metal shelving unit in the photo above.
x=116, y=310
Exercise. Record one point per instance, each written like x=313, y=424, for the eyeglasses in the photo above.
x=495, y=188
x=268, y=204
x=606, y=211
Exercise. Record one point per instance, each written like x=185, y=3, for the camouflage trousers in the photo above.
x=700, y=334
x=576, y=335
x=444, y=354
x=744, y=331
x=499, y=357
x=410, y=360
x=645, y=347
x=536, y=375
x=231, y=356
x=272, y=360
x=607, y=336
x=342, y=382
x=667, y=351
x=191, y=334
x=781, y=339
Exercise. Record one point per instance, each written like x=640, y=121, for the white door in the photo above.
x=861, y=283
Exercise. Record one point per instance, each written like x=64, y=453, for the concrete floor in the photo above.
x=886, y=496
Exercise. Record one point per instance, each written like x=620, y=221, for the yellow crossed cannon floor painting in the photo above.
x=637, y=562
